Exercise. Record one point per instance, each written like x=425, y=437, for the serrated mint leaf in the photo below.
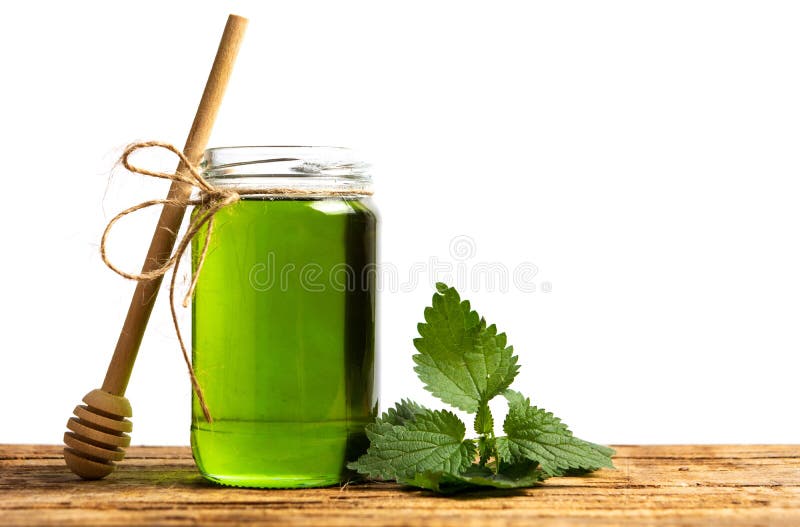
x=433, y=441
x=492, y=362
x=465, y=362
x=485, y=449
x=403, y=412
x=484, y=422
x=461, y=360
x=516, y=476
x=429, y=480
x=503, y=450
x=475, y=477
x=537, y=435
x=370, y=464
x=375, y=466
x=447, y=335
x=515, y=400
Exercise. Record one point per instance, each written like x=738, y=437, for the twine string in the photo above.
x=209, y=202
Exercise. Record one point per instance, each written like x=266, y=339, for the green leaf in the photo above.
x=429, y=479
x=498, y=366
x=403, y=412
x=461, y=360
x=503, y=449
x=485, y=449
x=484, y=422
x=537, y=435
x=375, y=466
x=433, y=441
x=517, y=476
x=466, y=363
x=371, y=464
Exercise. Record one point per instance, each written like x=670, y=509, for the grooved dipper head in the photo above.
x=97, y=434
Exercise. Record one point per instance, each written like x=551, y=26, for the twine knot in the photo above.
x=210, y=200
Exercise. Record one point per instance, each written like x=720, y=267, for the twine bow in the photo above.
x=210, y=200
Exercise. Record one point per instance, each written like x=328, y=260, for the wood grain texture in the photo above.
x=653, y=485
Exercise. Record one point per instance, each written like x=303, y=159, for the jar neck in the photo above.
x=311, y=170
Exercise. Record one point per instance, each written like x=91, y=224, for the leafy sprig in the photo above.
x=467, y=363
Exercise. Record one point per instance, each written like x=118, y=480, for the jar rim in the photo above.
x=332, y=167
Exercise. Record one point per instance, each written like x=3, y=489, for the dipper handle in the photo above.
x=119, y=370
x=99, y=431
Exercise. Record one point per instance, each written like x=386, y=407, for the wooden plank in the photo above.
x=664, y=485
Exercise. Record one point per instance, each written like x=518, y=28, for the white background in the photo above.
x=643, y=155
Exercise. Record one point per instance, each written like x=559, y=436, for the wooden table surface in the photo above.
x=664, y=485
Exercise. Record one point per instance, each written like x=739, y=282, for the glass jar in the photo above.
x=283, y=319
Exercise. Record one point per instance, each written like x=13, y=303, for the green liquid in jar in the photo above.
x=283, y=342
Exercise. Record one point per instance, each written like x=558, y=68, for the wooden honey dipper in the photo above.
x=98, y=434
